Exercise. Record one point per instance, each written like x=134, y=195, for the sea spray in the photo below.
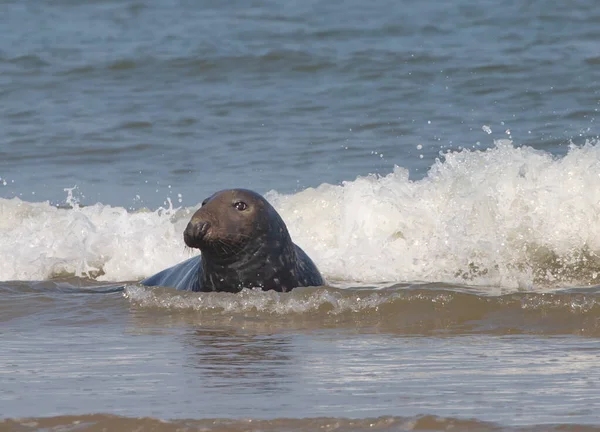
x=507, y=216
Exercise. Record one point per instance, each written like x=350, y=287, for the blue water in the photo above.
x=480, y=119
x=154, y=99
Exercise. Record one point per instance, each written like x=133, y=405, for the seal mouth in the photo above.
x=194, y=234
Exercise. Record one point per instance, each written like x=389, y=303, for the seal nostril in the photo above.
x=202, y=229
x=194, y=233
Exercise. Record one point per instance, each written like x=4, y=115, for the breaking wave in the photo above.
x=510, y=217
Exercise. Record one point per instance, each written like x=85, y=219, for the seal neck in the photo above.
x=262, y=263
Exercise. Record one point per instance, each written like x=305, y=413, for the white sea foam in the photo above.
x=508, y=216
x=110, y=243
x=328, y=300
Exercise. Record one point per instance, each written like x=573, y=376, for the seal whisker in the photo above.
x=188, y=250
x=229, y=248
x=236, y=235
x=226, y=248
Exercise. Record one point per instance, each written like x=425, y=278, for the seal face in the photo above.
x=244, y=244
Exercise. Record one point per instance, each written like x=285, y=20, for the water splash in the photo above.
x=508, y=216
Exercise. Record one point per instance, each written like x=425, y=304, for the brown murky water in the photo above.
x=80, y=356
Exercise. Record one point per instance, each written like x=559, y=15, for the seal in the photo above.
x=244, y=243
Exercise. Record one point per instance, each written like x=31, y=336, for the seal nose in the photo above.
x=194, y=233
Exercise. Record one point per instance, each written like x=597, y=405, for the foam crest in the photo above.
x=507, y=216
x=423, y=308
x=512, y=217
x=100, y=241
x=304, y=301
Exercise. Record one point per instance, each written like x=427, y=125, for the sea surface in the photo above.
x=439, y=161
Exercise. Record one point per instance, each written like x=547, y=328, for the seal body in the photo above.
x=244, y=244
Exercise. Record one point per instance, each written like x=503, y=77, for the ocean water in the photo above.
x=440, y=162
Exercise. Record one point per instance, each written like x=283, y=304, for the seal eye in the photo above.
x=204, y=202
x=240, y=205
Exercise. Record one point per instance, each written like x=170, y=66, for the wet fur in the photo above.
x=241, y=251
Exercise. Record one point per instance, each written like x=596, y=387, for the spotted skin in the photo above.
x=244, y=244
